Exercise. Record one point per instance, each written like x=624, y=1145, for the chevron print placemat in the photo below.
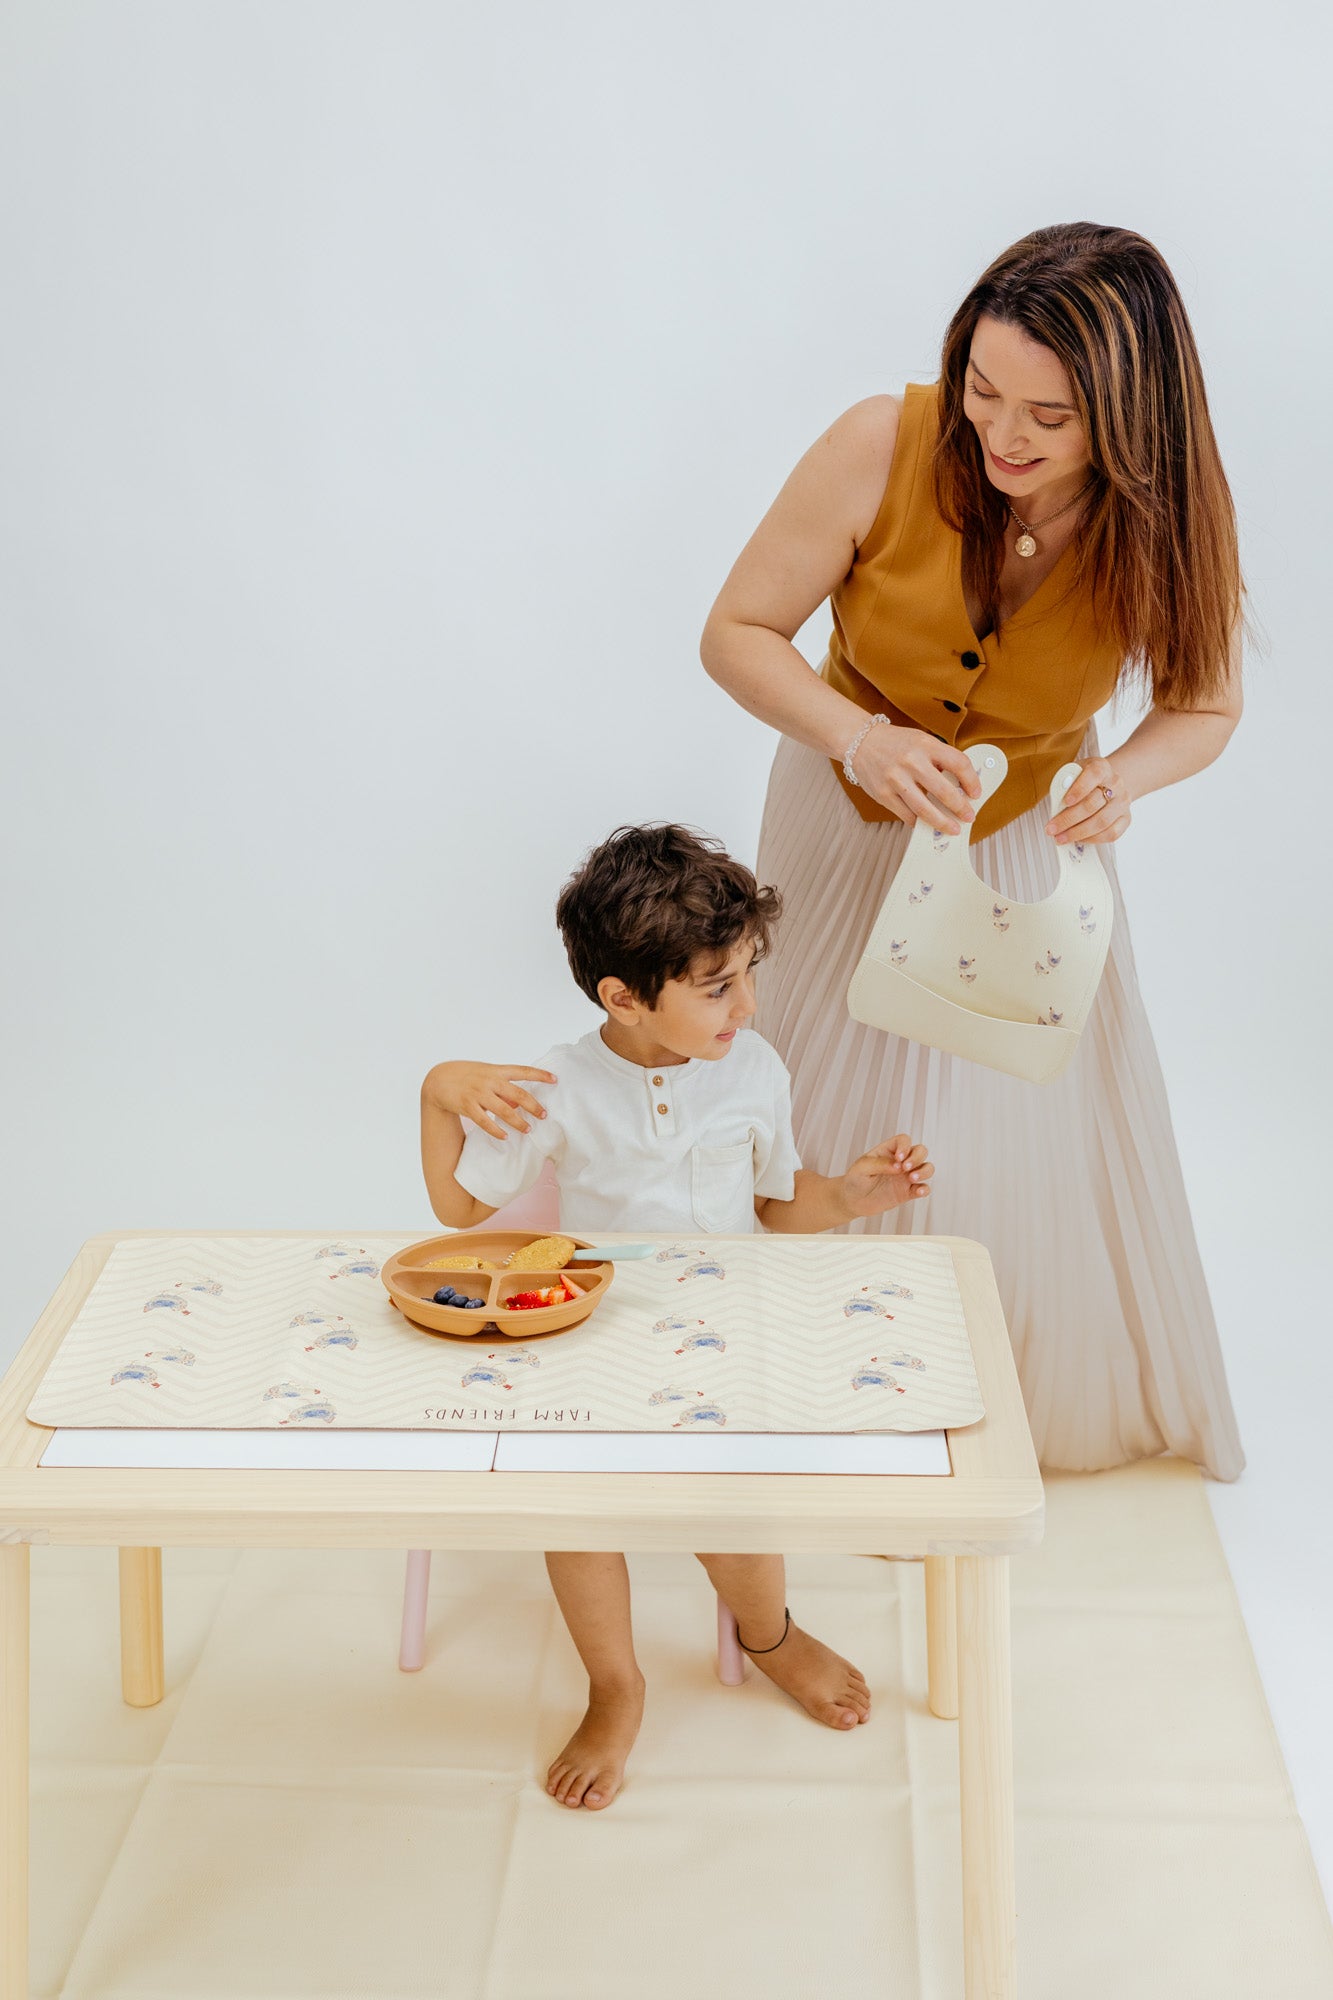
x=758, y=1333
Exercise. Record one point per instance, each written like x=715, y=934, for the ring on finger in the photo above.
x=1108, y=793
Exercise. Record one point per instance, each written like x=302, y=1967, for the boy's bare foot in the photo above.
x=827, y=1686
x=590, y=1770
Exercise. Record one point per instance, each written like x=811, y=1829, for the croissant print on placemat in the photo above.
x=864, y=1304
x=706, y=1339
x=874, y=1374
x=496, y=1366
x=694, y=1333
x=490, y=1372
x=702, y=1267
x=309, y=1413
x=334, y=1336
x=136, y=1371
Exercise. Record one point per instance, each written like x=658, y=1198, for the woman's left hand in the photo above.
x=1096, y=807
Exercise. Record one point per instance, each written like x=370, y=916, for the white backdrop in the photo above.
x=389, y=387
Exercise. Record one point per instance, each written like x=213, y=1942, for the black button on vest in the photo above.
x=954, y=707
x=971, y=660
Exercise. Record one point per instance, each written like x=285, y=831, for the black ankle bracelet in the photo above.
x=755, y=1651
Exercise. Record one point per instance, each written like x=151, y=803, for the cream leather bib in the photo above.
x=955, y=965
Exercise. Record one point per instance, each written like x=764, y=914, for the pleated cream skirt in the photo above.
x=1073, y=1186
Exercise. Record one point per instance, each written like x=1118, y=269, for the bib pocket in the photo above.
x=722, y=1188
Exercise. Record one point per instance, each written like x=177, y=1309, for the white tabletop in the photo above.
x=915, y=1452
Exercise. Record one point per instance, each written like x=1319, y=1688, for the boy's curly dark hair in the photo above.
x=653, y=901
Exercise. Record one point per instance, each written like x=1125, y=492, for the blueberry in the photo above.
x=475, y=1304
x=443, y=1298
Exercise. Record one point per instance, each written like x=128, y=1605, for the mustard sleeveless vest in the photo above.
x=902, y=645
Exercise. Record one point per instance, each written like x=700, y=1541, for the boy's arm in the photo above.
x=881, y=1179
x=485, y=1093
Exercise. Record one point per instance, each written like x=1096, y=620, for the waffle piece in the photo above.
x=456, y=1264
x=548, y=1253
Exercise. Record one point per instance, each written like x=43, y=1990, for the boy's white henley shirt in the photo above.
x=683, y=1149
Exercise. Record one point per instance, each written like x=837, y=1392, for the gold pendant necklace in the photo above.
x=1026, y=545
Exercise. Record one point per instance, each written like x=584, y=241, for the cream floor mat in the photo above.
x=299, y=1819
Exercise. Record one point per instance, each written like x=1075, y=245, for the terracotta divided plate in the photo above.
x=412, y=1286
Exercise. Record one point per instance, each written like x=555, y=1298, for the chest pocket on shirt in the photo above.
x=722, y=1188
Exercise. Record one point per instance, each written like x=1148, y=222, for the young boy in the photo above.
x=672, y=1116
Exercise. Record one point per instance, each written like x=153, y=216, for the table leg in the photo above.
x=142, y=1676
x=986, y=1777
x=14, y=1771
x=942, y=1636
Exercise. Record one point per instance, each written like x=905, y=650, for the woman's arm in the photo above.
x=803, y=547
x=1168, y=745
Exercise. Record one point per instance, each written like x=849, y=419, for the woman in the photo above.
x=1002, y=551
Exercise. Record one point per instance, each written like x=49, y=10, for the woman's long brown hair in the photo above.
x=1157, y=540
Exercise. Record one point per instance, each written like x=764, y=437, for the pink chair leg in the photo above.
x=730, y=1658
x=416, y=1589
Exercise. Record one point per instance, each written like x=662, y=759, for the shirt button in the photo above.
x=657, y=1083
x=662, y=1108
x=954, y=707
x=971, y=660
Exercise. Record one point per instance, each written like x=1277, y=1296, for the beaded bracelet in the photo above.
x=855, y=744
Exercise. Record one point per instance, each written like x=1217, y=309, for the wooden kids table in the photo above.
x=965, y=1526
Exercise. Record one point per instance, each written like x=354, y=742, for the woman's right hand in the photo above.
x=917, y=777
x=485, y=1092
